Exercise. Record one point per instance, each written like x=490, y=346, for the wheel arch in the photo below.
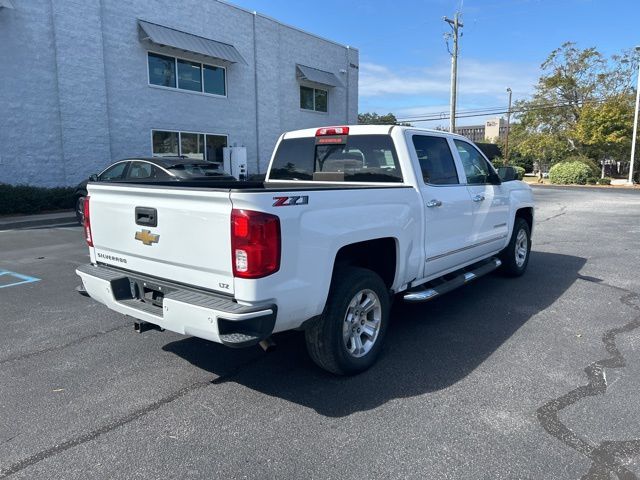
x=379, y=255
x=526, y=213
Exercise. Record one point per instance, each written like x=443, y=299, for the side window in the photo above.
x=114, y=173
x=476, y=168
x=159, y=174
x=140, y=171
x=436, y=161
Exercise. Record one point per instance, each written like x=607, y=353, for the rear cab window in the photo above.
x=348, y=158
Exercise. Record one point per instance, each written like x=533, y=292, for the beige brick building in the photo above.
x=492, y=130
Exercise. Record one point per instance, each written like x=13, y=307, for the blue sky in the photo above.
x=404, y=64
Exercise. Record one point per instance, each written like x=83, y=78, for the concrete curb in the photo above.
x=593, y=187
x=43, y=220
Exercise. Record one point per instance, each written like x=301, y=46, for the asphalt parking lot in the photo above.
x=536, y=377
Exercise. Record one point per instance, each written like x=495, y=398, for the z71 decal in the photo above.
x=290, y=201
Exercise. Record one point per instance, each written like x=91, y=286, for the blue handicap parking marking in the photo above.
x=6, y=275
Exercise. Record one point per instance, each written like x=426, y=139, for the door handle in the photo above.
x=147, y=217
x=478, y=198
x=434, y=203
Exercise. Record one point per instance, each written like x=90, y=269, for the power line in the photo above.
x=494, y=111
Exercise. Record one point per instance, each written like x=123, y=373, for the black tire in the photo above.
x=80, y=209
x=511, y=266
x=325, y=338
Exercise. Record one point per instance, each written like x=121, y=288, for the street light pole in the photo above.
x=506, y=142
x=635, y=125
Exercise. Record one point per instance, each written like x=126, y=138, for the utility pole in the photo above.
x=635, y=124
x=506, y=142
x=456, y=25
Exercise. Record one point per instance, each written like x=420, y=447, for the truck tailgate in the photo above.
x=189, y=244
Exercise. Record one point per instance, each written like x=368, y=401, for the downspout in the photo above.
x=57, y=73
x=348, y=89
x=255, y=83
x=106, y=84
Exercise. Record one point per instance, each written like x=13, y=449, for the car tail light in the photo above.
x=87, y=222
x=255, y=243
x=322, y=132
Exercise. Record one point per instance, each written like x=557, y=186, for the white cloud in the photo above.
x=476, y=80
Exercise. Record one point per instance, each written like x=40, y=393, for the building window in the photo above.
x=189, y=75
x=214, y=145
x=214, y=80
x=200, y=146
x=192, y=145
x=162, y=70
x=313, y=99
x=165, y=144
x=184, y=74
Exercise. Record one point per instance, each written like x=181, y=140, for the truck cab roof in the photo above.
x=369, y=130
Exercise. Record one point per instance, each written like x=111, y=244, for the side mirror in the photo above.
x=93, y=177
x=507, y=174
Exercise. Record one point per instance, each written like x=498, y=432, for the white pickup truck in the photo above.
x=347, y=219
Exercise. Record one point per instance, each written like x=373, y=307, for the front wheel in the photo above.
x=348, y=336
x=515, y=257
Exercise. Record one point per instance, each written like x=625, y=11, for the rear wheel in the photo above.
x=348, y=336
x=80, y=210
x=515, y=257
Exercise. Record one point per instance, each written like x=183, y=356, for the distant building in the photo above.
x=85, y=83
x=492, y=130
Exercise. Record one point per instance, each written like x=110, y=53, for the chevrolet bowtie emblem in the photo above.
x=146, y=237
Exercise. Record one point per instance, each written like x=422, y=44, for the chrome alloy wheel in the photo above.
x=362, y=323
x=522, y=248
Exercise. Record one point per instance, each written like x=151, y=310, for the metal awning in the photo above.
x=314, y=75
x=170, y=37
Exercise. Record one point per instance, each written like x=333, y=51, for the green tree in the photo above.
x=376, y=119
x=579, y=107
x=605, y=129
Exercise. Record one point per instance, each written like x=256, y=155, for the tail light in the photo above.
x=87, y=222
x=322, y=132
x=255, y=243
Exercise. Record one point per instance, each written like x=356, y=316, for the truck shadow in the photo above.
x=428, y=347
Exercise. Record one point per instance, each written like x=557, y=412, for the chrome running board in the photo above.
x=424, y=294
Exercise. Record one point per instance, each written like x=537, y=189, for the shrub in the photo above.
x=570, y=172
x=498, y=162
x=604, y=181
x=27, y=199
x=520, y=171
x=526, y=163
x=593, y=165
x=592, y=180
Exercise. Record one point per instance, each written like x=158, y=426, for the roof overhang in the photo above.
x=316, y=76
x=188, y=42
